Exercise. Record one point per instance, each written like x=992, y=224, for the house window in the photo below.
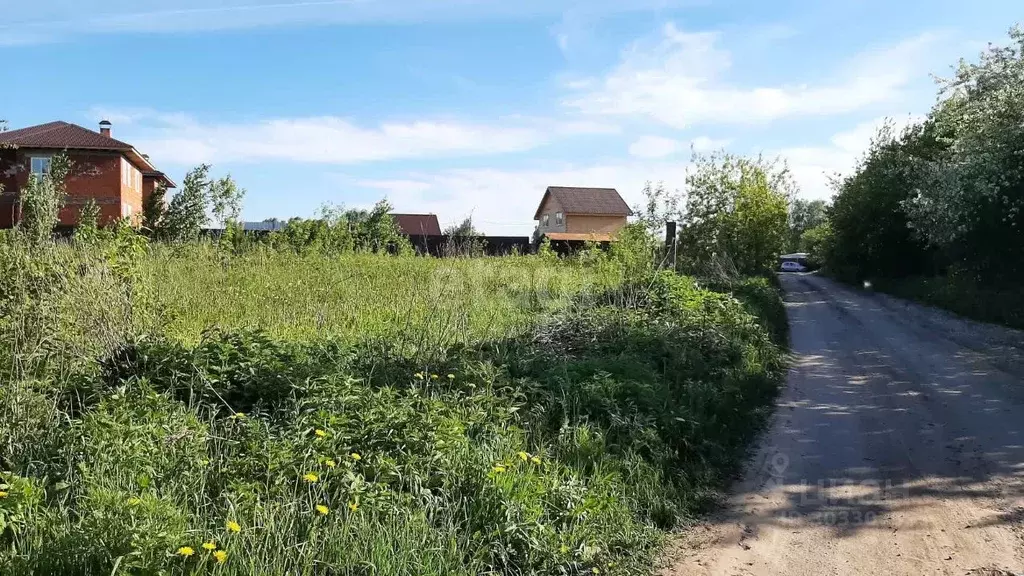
x=559, y=218
x=545, y=220
x=40, y=167
x=126, y=210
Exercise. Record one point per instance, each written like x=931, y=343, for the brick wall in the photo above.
x=99, y=176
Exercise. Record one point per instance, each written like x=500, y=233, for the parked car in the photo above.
x=790, y=266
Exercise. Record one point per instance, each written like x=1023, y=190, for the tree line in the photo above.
x=944, y=196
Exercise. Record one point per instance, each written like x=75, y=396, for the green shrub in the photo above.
x=489, y=425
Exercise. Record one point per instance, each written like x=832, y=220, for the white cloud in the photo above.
x=661, y=147
x=705, y=144
x=181, y=139
x=655, y=147
x=812, y=166
x=680, y=81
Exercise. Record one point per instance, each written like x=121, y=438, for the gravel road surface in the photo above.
x=897, y=448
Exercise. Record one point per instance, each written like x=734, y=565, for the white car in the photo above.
x=790, y=266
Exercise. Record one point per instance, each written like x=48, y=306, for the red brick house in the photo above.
x=581, y=214
x=110, y=172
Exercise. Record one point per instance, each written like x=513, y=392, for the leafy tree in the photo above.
x=817, y=242
x=41, y=201
x=969, y=200
x=463, y=229
x=736, y=216
x=339, y=231
x=463, y=239
x=804, y=215
x=186, y=214
x=226, y=200
x=154, y=209
x=871, y=236
x=660, y=207
x=88, y=222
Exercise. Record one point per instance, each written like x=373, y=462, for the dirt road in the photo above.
x=897, y=448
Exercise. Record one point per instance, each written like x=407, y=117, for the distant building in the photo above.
x=418, y=224
x=111, y=173
x=581, y=214
x=264, y=226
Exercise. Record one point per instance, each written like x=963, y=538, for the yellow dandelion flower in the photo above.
x=330, y=463
x=451, y=376
x=564, y=549
x=524, y=456
x=353, y=506
x=186, y=551
x=418, y=375
x=434, y=376
x=134, y=501
x=3, y=494
x=239, y=416
x=209, y=546
x=320, y=433
x=233, y=526
x=310, y=477
x=535, y=460
x=355, y=456
x=323, y=510
x=595, y=570
x=498, y=468
x=220, y=556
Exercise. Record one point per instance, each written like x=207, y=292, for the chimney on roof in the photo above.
x=105, y=128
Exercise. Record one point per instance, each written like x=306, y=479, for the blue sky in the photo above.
x=473, y=107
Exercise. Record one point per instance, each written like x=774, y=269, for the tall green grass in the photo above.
x=359, y=296
x=362, y=414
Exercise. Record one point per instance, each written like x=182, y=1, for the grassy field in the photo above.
x=185, y=411
x=356, y=297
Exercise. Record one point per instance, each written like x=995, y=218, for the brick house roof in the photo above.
x=64, y=135
x=418, y=224
x=589, y=201
x=61, y=135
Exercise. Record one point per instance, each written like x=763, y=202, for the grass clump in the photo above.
x=395, y=416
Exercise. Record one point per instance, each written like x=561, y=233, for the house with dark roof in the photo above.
x=112, y=173
x=413, y=225
x=581, y=214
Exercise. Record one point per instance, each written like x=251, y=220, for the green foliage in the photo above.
x=456, y=416
x=870, y=233
x=761, y=297
x=946, y=195
x=225, y=197
x=88, y=229
x=961, y=295
x=969, y=200
x=186, y=213
x=803, y=216
x=817, y=242
x=463, y=239
x=659, y=208
x=41, y=201
x=340, y=231
x=736, y=215
x=154, y=209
